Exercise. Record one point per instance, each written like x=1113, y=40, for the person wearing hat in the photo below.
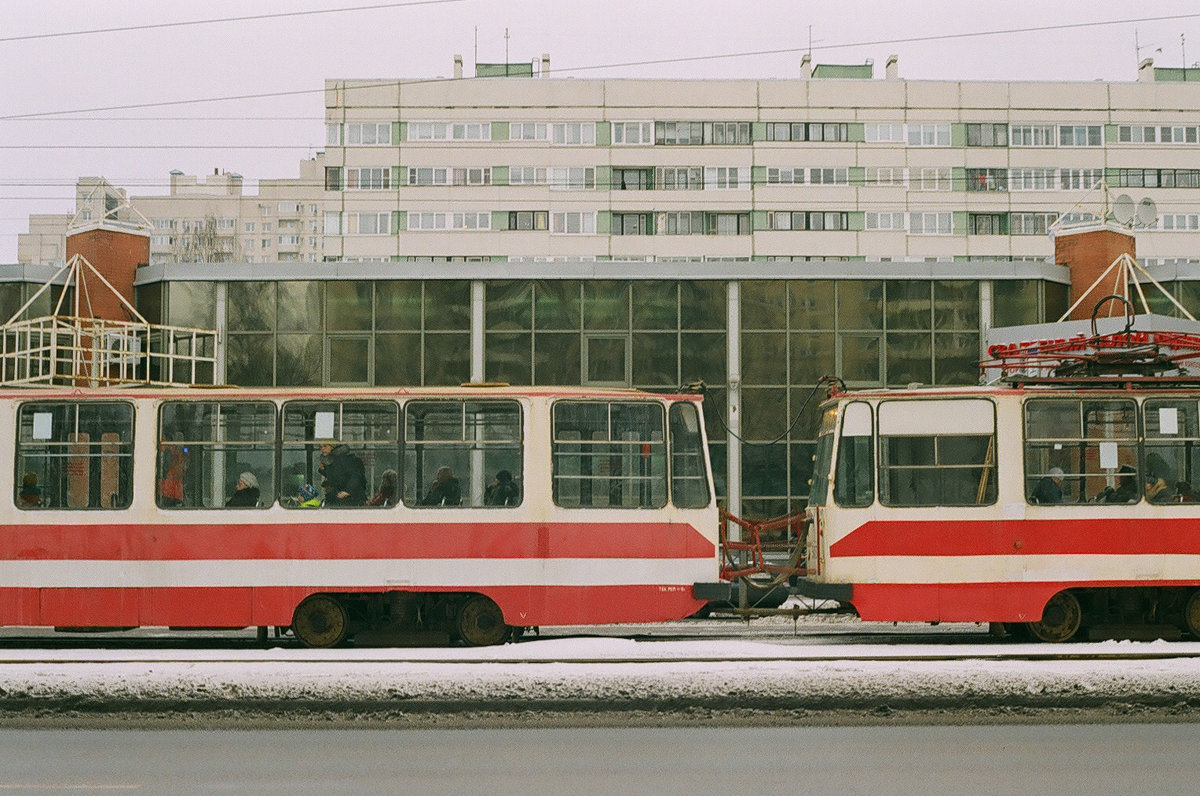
x=310, y=497
x=345, y=477
x=1049, y=489
x=245, y=492
x=445, y=489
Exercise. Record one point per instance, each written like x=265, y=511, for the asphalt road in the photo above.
x=1129, y=758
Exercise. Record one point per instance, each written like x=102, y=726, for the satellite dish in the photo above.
x=1147, y=212
x=1123, y=209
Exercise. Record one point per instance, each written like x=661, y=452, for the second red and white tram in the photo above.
x=1059, y=509
x=474, y=510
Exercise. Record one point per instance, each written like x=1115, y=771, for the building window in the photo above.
x=884, y=221
x=1079, y=179
x=333, y=134
x=369, y=134
x=428, y=176
x=368, y=223
x=289, y=240
x=632, y=179
x=573, y=223
x=1158, y=178
x=807, y=131
x=884, y=133
x=729, y=223
x=424, y=222
x=288, y=208
x=680, y=223
x=574, y=133
x=633, y=133
x=929, y=135
x=985, y=224
x=1073, y=135
x=333, y=222
x=523, y=220
x=631, y=224
x=725, y=178
x=527, y=175
x=808, y=220
x=368, y=179
x=1179, y=222
x=1031, y=135
x=449, y=131
x=934, y=179
x=574, y=178
x=930, y=223
x=696, y=133
x=1177, y=135
x=987, y=179
x=526, y=131
x=679, y=178
x=1137, y=134
x=1031, y=223
x=1032, y=179
x=793, y=176
x=885, y=175
x=987, y=135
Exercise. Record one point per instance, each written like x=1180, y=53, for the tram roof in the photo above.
x=202, y=392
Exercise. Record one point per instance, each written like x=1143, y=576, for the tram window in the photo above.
x=75, y=456
x=822, y=458
x=1172, y=450
x=609, y=455
x=1094, y=443
x=339, y=454
x=853, y=484
x=462, y=453
x=689, y=478
x=954, y=467
x=216, y=454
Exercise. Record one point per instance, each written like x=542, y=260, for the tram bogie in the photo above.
x=493, y=509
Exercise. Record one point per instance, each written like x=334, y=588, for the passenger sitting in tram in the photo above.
x=445, y=489
x=310, y=497
x=30, y=496
x=245, y=492
x=1126, y=491
x=1049, y=489
x=388, y=488
x=1158, y=479
x=502, y=492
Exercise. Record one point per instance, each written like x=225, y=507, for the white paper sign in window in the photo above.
x=1108, y=455
x=323, y=425
x=1168, y=420
x=42, y=425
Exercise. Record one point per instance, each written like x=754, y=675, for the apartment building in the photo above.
x=201, y=219
x=832, y=165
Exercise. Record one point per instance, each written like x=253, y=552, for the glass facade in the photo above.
x=655, y=334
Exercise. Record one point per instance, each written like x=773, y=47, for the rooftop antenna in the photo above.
x=506, y=51
x=477, y=44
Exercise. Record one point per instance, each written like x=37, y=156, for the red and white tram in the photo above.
x=475, y=510
x=1062, y=508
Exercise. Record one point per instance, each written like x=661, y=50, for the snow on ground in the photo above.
x=605, y=674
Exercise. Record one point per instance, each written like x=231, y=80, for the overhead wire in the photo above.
x=367, y=85
x=221, y=20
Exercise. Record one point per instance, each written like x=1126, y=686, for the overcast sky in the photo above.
x=48, y=75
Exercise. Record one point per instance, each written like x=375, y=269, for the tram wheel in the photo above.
x=320, y=621
x=1191, y=614
x=1061, y=619
x=480, y=622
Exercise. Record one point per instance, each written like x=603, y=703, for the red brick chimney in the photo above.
x=115, y=253
x=1088, y=253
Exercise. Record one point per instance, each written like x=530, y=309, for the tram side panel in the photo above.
x=1001, y=560
x=143, y=564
